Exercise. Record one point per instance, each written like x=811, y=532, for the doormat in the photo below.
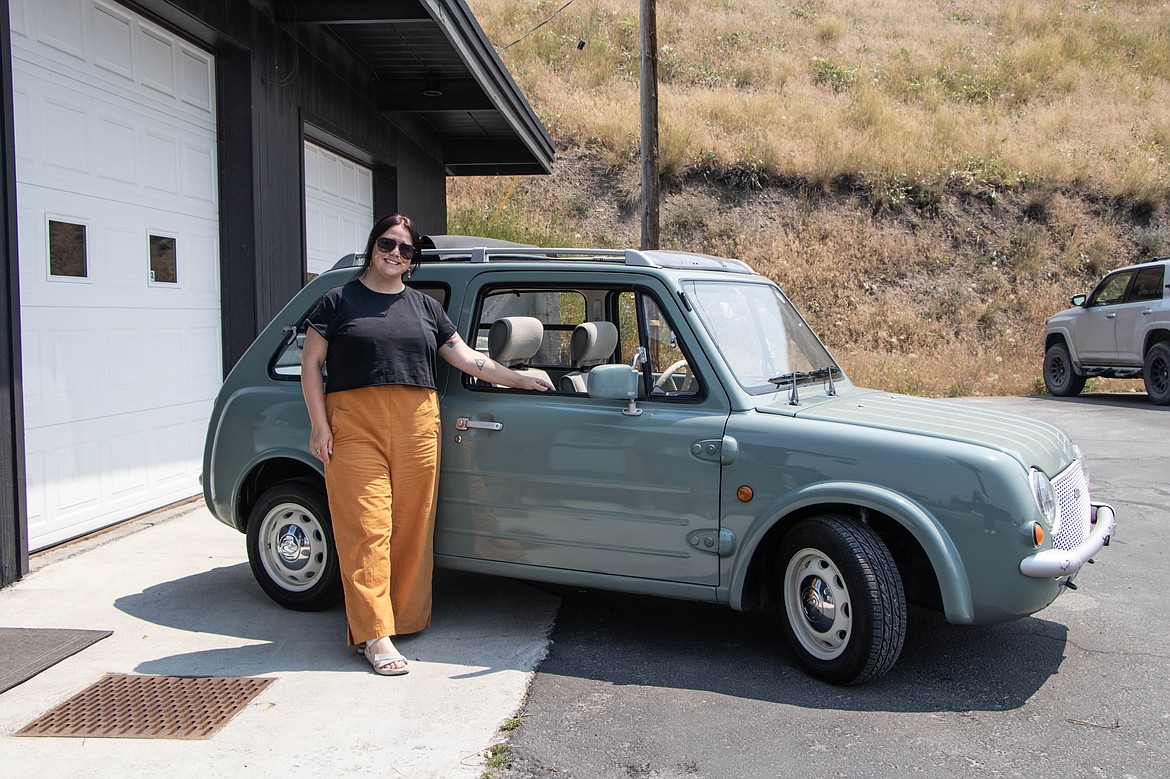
x=134, y=706
x=25, y=652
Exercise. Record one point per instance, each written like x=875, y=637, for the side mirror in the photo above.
x=1078, y=300
x=614, y=382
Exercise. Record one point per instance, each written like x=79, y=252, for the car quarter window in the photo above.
x=1111, y=290
x=1149, y=284
x=286, y=362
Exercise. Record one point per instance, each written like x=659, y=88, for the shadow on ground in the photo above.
x=634, y=640
x=477, y=621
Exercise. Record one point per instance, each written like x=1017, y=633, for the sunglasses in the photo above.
x=388, y=245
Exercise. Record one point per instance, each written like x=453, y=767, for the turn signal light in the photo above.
x=744, y=493
x=1037, y=533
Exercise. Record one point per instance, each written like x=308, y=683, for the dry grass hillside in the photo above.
x=927, y=180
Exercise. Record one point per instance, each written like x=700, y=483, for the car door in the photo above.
x=1095, y=335
x=566, y=481
x=1135, y=315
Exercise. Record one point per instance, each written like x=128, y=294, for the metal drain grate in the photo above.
x=133, y=706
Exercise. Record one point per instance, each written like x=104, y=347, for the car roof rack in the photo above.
x=450, y=248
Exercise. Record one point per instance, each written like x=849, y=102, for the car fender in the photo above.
x=1062, y=333
x=939, y=548
x=241, y=460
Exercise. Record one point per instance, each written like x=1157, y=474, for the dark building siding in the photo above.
x=13, y=516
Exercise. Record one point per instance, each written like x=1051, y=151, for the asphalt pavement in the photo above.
x=645, y=688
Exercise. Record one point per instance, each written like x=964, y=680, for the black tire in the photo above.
x=1060, y=377
x=290, y=547
x=840, y=597
x=1156, y=373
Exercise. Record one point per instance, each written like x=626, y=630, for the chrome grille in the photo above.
x=1072, y=504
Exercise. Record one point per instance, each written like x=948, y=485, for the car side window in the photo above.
x=1149, y=284
x=1111, y=290
x=286, y=362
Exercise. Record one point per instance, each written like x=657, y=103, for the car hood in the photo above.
x=1033, y=443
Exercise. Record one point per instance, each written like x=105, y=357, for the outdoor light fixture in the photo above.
x=431, y=86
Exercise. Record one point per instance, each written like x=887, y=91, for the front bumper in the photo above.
x=1054, y=563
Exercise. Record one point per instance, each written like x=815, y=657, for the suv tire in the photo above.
x=1059, y=376
x=1156, y=373
x=840, y=597
x=290, y=547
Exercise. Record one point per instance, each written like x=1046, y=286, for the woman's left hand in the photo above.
x=533, y=383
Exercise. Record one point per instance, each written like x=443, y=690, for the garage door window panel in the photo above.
x=164, y=264
x=68, y=252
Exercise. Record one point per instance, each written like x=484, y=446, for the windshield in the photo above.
x=760, y=335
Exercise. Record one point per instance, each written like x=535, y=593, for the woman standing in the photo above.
x=375, y=426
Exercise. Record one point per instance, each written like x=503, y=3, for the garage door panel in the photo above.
x=196, y=69
x=118, y=141
x=91, y=480
x=60, y=25
x=102, y=364
x=65, y=140
x=118, y=254
x=113, y=41
x=65, y=144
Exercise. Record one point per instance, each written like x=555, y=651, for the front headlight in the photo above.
x=1045, y=496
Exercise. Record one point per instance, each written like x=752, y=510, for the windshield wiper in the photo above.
x=793, y=378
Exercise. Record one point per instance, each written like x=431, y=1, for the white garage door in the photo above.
x=339, y=207
x=119, y=262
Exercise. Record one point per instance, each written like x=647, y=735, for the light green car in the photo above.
x=703, y=444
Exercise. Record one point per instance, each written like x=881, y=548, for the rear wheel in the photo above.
x=1059, y=376
x=1157, y=373
x=290, y=547
x=841, y=600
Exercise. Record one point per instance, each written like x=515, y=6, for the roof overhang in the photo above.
x=439, y=75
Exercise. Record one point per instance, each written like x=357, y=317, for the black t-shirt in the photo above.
x=377, y=338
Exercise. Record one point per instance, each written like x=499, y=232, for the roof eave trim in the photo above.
x=469, y=40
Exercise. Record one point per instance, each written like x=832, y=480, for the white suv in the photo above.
x=1120, y=331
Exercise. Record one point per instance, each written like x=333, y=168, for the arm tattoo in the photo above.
x=480, y=363
x=452, y=341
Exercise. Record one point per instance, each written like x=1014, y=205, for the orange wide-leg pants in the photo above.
x=382, y=481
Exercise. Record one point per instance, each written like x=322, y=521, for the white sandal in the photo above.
x=384, y=663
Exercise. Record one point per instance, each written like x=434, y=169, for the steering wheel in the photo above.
x=668, y=374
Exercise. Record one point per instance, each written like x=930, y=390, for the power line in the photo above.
x=537, y=27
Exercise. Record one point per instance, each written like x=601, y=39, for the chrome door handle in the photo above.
x=463, y=423
x=1111, y=316
x=1147, y=312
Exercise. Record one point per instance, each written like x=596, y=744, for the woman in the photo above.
x=375, y=426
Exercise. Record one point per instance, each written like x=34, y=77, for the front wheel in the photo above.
x=290, y=547
x=840, y=597
x=1059, y=376
x=1157, y=373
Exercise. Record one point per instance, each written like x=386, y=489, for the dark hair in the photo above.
x=384, y=224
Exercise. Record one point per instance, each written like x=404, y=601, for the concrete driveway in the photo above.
x=639, y=687
x=176, y=590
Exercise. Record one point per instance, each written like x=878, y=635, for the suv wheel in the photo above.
x=840, y=598
x=1157, y=373
x=1059, y=376
x=290, y=547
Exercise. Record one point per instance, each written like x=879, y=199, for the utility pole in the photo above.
x=649, y=110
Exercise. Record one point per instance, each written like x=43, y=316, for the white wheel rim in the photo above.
x=817, y=604
x=293, y=549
